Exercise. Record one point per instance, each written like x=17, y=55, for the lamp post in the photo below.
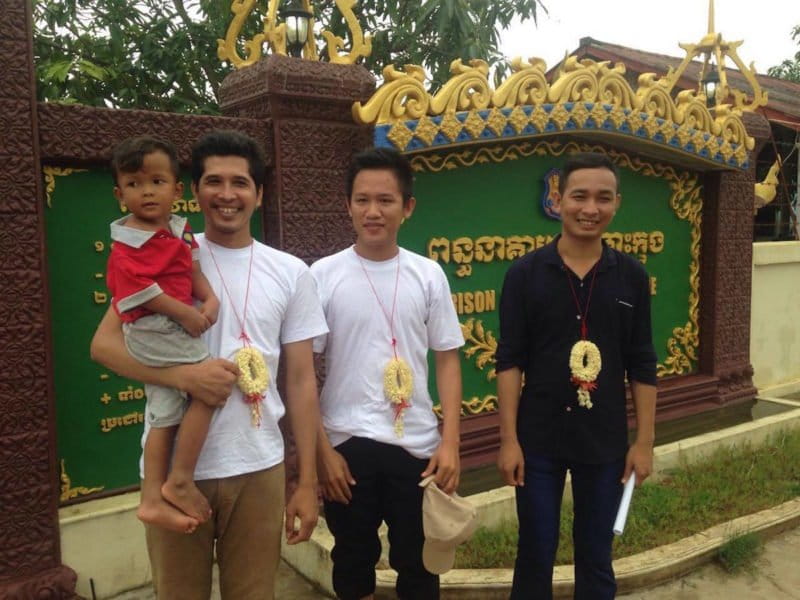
x=297, y=21
x=710, y=85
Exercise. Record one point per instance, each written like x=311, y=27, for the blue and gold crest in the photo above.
x=551, y=179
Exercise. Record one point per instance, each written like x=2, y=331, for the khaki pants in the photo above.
x=247, y=523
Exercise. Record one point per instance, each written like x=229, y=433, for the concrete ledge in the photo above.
x=103, y=542
x=312, y=559
x=634, y=572
x=786, y=388
x=776, y=253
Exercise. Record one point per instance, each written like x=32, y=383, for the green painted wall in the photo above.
x=98, y=423
x=504, y=199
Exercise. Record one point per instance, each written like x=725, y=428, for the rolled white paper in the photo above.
x=624, y=504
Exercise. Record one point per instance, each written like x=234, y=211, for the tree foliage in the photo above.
x=162, y=54
x=790, y=68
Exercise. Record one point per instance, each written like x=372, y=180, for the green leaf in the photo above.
x=92, y=70
x=58, y=70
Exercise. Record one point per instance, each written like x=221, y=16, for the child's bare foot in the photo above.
x=186, y=497
x=160, y=513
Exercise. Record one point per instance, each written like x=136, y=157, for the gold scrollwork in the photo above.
x=686, y=202
x=473, y=406
x=581, y=90
x=50, y=174
x=274, y=34
x=481, y=344
x=68, y=492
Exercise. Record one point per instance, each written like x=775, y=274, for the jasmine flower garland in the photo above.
x=253, y=380
x=585, y=364
x=398, y=385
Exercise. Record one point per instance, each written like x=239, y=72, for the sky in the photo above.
x=645, y=25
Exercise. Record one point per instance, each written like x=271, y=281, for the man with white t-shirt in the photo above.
x=268, y=307
x=386, y=308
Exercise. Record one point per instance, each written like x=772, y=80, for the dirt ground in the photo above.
x=776, y=577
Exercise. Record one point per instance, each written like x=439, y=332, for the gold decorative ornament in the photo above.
x=68, y=492
x=398, y=385
x=253, y=380
x=480, y=343
x=585, y=364
x=274, y=34
x=50, y=174
x=582, y=90
x=473, y=406
x=713, y=44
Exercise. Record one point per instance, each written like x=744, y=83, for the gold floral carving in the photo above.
x=582, y=88
x=451, y=126
x=468, y=89
x=68, y=492
x=685, y=201
x=50, y=174
x=526, y=85
x=402, y=96
x=362, y=45
x=481, y=344
x=473, y=406
x=426, y=130
x=274, y=34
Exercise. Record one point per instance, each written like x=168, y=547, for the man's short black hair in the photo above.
x=128, y=156
x=383, y=158
x=586, y=160
x=227, y=142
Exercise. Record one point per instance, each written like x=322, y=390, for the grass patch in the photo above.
x=729, y=483
x=740, y=553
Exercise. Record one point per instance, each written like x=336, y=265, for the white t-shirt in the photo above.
x=358, y=346
x=283, y=307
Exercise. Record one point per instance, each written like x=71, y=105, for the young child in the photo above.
x=386, y=309
x=153, y=276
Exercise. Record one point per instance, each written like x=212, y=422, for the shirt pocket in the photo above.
x=625, y=311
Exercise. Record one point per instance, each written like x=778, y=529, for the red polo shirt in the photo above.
x=146, y=264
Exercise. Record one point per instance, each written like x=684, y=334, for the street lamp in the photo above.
x=710, y=85
x=297, y=21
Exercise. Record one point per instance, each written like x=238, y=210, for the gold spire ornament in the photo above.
x=274, y=35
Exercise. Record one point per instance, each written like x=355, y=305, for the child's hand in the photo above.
x=194, y=322
x=210, y=309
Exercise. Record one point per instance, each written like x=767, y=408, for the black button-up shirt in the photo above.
x=539, y=324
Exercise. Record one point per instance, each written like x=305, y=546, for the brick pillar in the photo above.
x=313, y=139
x=726, y=274
x=30, y=557
x=307, y=105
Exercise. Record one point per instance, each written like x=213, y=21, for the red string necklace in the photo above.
x=399, y=401
x=582, y=315
x=253, y=371
x=243, y=334
x=389, y=316
x=585, y=360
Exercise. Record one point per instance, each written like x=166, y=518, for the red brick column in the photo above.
x=308, y=104
x=30, y=556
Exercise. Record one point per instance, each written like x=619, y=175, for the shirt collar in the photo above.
x=608, y=258
x=136, y=238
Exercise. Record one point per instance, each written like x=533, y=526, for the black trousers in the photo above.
x=386, y=489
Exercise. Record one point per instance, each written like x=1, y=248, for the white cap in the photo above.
x=448, y=520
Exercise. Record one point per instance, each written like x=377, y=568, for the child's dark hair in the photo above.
x=128, y=156
x=383, y=158
x=227, y=142
x=586, y=160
